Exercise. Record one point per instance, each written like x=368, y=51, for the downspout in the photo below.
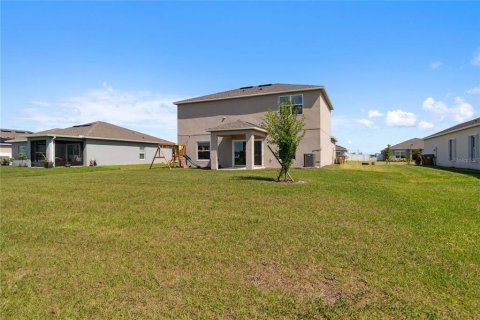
x=53, y=150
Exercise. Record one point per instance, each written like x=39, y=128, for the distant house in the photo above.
x=403, y=150
x=102, y=142
x=458, y=146
x=9, y=134
x=340, y=151
x=223, y=129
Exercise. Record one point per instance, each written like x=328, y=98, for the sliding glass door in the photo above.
x=240, y=155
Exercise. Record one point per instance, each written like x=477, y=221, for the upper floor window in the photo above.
x=295, y=103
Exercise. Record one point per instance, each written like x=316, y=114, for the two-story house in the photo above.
x=222, y=130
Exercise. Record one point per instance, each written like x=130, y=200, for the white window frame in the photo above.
x=209, y=150
x=141, y=152
x=398, y=154
x=292, y=105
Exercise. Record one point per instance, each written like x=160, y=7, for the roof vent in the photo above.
x=249, y=87
x=265, y=85
x=83, y=125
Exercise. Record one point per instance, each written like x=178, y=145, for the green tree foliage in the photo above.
x=285, y=131
x=387, y=152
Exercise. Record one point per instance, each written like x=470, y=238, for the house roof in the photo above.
x=264, y=89
x=9, y=134
x=340, y=148
x=100, y=130
x=461, y=126
x=236, y=125
x=411, y=144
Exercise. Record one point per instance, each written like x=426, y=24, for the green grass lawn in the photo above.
x=365, y=242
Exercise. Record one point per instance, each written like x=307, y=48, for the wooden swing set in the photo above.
x=178, y=155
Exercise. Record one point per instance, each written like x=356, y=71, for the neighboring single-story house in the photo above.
x=222, y=130
x=102, y=142
x=340, y=151
x=403, y=150
x=9, y=134
x=458, y=146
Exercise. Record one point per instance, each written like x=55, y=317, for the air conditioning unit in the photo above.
x=309, y=160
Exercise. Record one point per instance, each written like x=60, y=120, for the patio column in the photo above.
x=51, y=150
x=213, y=151
x=249, y=153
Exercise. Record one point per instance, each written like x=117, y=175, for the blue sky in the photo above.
x=393, y=70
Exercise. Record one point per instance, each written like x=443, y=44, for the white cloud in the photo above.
x=424, y=125
x=460, y=112
x=343, y=123
x=474, y=90
x=399, y=118
x=350, y=142
x=436, y=65
x=139, y=110
x=367, y=123
x=476, y=58
x=374, y=114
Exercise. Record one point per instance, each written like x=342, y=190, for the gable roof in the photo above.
x=236, y=125
x=264, y=89
x=340, y=148
x=100, y=130
x=464, y=125
x=9, y=134
x=411, y=144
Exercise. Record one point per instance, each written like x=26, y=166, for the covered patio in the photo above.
x=237, y=144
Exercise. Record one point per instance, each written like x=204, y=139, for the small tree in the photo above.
x=387, y=153
x=285, y=130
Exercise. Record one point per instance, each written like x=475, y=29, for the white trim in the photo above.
x=86, y=137
x=236, y=129
x=254, y=95
x=435, y=135
x=209, y=150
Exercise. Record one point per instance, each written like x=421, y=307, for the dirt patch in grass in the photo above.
x=305, y=282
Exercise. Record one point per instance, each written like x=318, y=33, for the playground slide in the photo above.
x=189, y=160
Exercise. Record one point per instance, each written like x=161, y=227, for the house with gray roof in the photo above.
x=457, y=146
x=80, y=145
x=404, y=150
x=5, y=136
x=222, y=130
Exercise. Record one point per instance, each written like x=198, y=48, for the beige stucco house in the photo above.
x=458, y=146
x=222, y=130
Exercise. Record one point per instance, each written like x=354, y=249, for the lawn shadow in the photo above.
x=469, y=172
x=255, y=178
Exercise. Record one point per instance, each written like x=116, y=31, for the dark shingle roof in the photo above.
x=340, y=148
x=457, y=127
x=411, y=144
x=257, y=90
x=105, y=130
x=236, y=125
x=9, y=134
